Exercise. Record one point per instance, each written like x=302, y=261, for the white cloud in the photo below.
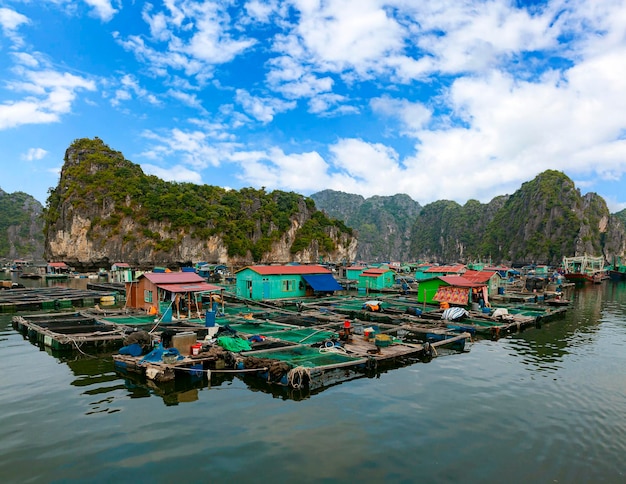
x=262, y=109
x=177, y=173
x=10, y=21
x=186, y=98
x=102, y=9
x=34, y=154
x=414, y=115
x=50, y=95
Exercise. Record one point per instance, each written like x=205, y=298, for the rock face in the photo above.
x=21, y=226
x=106, y=210
x=383, y=223
x=543, y=221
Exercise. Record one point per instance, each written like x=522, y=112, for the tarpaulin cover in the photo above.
x=451, y=294
x=322, y=282
x=233, y=344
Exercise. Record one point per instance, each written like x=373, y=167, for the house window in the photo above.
x=147, y=296
x=288, y=285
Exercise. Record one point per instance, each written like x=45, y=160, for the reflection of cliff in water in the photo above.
x=544, y=348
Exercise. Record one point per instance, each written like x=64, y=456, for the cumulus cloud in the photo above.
x=10, y=21
x=48, y=95
x=102, y=9
x=262, y=109
x=34, y=154
x=177, y=173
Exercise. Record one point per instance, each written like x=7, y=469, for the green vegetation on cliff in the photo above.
x=383, y=223
x=98, y=181
x=20, y=226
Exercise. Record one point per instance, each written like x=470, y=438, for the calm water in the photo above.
x=546, y=405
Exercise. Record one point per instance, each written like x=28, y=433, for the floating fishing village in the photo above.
x=292, y=326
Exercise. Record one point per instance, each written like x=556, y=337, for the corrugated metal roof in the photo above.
x=172, y=277
x=460, y=281
x=478, y=276
x=454, y=268
x=375, y=272
x=194, y=287
x=278, y=270
x=57, y=264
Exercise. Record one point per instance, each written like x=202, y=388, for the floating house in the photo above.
x=460, y=291
x=451, y=289
x=439, y=271
x=211, y=271
x=169, y=293
x=491, y=279
x=376, y=279
x=420, y=272
x=352, y=273
x=120, y=272
x=286, y=281
x=57, y=270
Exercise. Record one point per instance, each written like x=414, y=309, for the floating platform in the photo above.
x=48, y=298
x=68, y=331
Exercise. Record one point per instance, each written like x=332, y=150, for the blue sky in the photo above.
x=450, y=99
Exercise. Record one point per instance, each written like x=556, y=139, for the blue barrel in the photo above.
x=210, y=319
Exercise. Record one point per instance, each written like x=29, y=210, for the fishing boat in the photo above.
x=618, y=270
x=584, y=269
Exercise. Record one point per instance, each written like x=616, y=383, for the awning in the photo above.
x=452, y=294
x=322, y=282
x=191, y=287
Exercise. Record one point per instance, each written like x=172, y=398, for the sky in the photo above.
x=441, y=100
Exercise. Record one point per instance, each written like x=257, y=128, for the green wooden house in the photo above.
x=287, y=281
x=353, y=272
x=454, y=290
x=427, y=288
x=375, y=279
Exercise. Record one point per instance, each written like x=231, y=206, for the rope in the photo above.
x=332, y=348
x=296, y=377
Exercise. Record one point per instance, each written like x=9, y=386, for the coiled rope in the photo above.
x=298, y=376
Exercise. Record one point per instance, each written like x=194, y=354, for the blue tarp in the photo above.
x=322, y=282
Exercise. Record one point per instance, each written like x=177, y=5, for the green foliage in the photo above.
x=248, y=220
x=21, y=213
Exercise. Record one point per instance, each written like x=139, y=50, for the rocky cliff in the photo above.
x=543, y=221
x=383, y=223
x=105, y=209
x=21, y=226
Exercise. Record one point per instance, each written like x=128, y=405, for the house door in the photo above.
x=266, y=288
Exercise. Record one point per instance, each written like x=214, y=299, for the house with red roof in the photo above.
x=180, y=293
x=285, y=281
x=377, y=278
x=492, y=279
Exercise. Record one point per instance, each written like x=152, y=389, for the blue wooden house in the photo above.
x=287, y=281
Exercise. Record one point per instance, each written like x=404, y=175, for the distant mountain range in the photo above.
x=105, y=210
x=543, y=221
